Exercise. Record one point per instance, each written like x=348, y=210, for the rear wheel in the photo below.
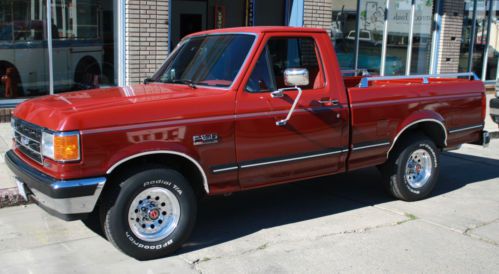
x=411, y=171
x=153, y=213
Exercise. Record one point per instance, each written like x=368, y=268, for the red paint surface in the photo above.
x=116, y=123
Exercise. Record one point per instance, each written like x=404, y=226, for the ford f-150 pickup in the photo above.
x=231, y=110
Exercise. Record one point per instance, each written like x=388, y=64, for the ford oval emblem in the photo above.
x=24, y=141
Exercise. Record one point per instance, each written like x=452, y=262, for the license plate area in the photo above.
x=21, y=187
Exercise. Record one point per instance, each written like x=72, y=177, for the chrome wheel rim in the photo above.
x=418, y=168
x=154, y=214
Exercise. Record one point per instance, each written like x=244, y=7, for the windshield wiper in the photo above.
x=188, y=82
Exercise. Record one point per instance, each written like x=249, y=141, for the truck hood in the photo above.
x=115, y=106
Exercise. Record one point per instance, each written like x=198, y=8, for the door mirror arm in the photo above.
x=280, y=93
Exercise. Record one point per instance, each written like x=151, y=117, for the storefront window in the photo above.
x=399, y=24
x=422, y=37
x=83, y=46
x=23, y=49
x=371, y=25
x=474, y=37
x=493, y=50
x=342, y=32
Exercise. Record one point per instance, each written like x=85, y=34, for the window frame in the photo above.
x=267, y=38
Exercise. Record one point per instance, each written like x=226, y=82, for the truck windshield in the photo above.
x=210, y=60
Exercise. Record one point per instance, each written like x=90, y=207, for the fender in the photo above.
x=153, y=148
x=416, y=118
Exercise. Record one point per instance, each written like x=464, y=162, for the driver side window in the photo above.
x=282, y=53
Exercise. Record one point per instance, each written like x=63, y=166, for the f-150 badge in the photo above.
x=205, y=139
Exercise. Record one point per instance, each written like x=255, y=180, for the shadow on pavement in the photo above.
x=221, y=219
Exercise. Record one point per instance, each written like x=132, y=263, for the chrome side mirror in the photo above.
x=296, y=77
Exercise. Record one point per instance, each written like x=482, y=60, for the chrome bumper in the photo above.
x=66, y=199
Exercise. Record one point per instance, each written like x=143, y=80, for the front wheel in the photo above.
x=153, y=213
x=411, y=171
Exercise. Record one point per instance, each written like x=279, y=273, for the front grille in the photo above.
x=28, y=139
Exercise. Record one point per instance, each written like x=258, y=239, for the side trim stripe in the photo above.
x=293, y=159
x=250, y=164
x=219, y=170
x=465, y=128
x=371, y=146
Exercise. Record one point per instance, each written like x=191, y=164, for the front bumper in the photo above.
x=494, y=109
x=66, y=199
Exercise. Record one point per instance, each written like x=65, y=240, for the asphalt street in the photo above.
x=343, y=223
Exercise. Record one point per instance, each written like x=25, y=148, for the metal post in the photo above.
x=357, y=35
x=120, y=30
x=49, y=47
x=486, y=53
x=435, y=42
x=409, y=45
x=385, y=39
x=472, y=38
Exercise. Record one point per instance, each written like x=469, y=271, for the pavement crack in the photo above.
x=410, y=217
x=193, y=264
x=259, y=248
x=469, y=232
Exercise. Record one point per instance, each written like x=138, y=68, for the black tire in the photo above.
x=117, y=203
x=394, y=170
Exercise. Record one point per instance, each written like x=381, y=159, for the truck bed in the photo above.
x=384, y=108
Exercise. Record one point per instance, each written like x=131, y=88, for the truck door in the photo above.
x=313, y=142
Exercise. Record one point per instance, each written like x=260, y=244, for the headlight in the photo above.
x=61, y=146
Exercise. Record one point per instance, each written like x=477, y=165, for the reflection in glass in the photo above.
x=371, y=24
x=83, y=44
x=493, y=51
x=23, y=49
x=422, y=37
x=342, y=32
x=399, y=23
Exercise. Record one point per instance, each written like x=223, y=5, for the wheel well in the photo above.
x=434, y=130
x=181, y=164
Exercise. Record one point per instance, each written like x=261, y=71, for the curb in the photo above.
x=10, y=197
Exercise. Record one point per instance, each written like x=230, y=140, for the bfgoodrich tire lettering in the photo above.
x=135, y=237
x=411, y=171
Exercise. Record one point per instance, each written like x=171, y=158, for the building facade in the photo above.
x=52, y=46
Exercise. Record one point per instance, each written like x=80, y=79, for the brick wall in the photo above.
x=317, y=13
x=5, y=114
x=450, y=36
x=146, y=38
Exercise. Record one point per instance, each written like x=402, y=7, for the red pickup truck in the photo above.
x=232, y=110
